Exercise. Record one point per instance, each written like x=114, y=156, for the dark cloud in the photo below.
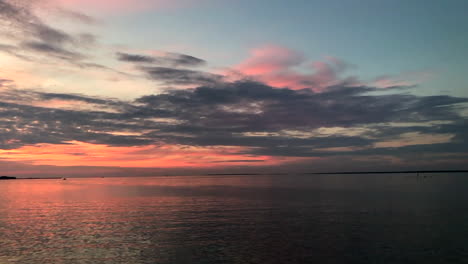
x=173, y=76
x=4, y=82
x=26, y=125
x=15, y=11
x=225, y=115
x=177, y=59
x=51, y=35
x=237, y=161
x=52, y=50
x=169, y=59
x=247, y=106
x=261, y=119
x=76, y=97
x=135, y=58
x=18, y=15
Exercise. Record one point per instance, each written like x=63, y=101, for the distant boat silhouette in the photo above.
x=64, y=178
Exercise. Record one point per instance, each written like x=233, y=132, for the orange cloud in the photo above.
x=165, y=156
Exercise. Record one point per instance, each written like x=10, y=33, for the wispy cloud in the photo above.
x=77, y=16
x=166, y=58
x=30, y=38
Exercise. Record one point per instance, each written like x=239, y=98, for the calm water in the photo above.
x=236, y=219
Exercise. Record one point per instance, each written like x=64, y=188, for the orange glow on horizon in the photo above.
x=77, y=153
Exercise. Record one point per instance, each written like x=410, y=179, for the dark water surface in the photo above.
x=236, y=219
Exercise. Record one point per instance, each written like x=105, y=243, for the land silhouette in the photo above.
x=7, y=178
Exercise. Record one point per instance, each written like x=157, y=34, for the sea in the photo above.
x=367, y=218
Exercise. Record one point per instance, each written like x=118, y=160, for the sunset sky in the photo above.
x=151, y=87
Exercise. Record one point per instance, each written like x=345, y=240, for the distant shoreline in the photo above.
x=262, y=174
x=15, y=178
x=7, y=178
x=390, y=172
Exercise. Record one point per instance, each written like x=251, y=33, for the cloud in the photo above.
x=237, y=161
x=184, y=60
x=283, y=67
x=135, y=58
x=77, y=16
x=76, y=97
x=30, y=38
x=402, y=80
x=283, y=107
x=163, y=156
x=5, y=82
x=252, y=119
x=270, y=59
x=174, y=76
x=250, y=106
x=19, y=16
x=52, y=50
x=167, y=59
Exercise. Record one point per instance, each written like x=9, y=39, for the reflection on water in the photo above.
x=236, y=219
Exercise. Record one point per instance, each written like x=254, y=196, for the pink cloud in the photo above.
x=282, y=67
x=269, y=59
x=404, y=79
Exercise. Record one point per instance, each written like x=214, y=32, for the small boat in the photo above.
x=64, y=178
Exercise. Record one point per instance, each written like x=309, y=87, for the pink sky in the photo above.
x=125, y=6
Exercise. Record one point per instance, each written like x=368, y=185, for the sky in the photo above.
x=156, y=87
